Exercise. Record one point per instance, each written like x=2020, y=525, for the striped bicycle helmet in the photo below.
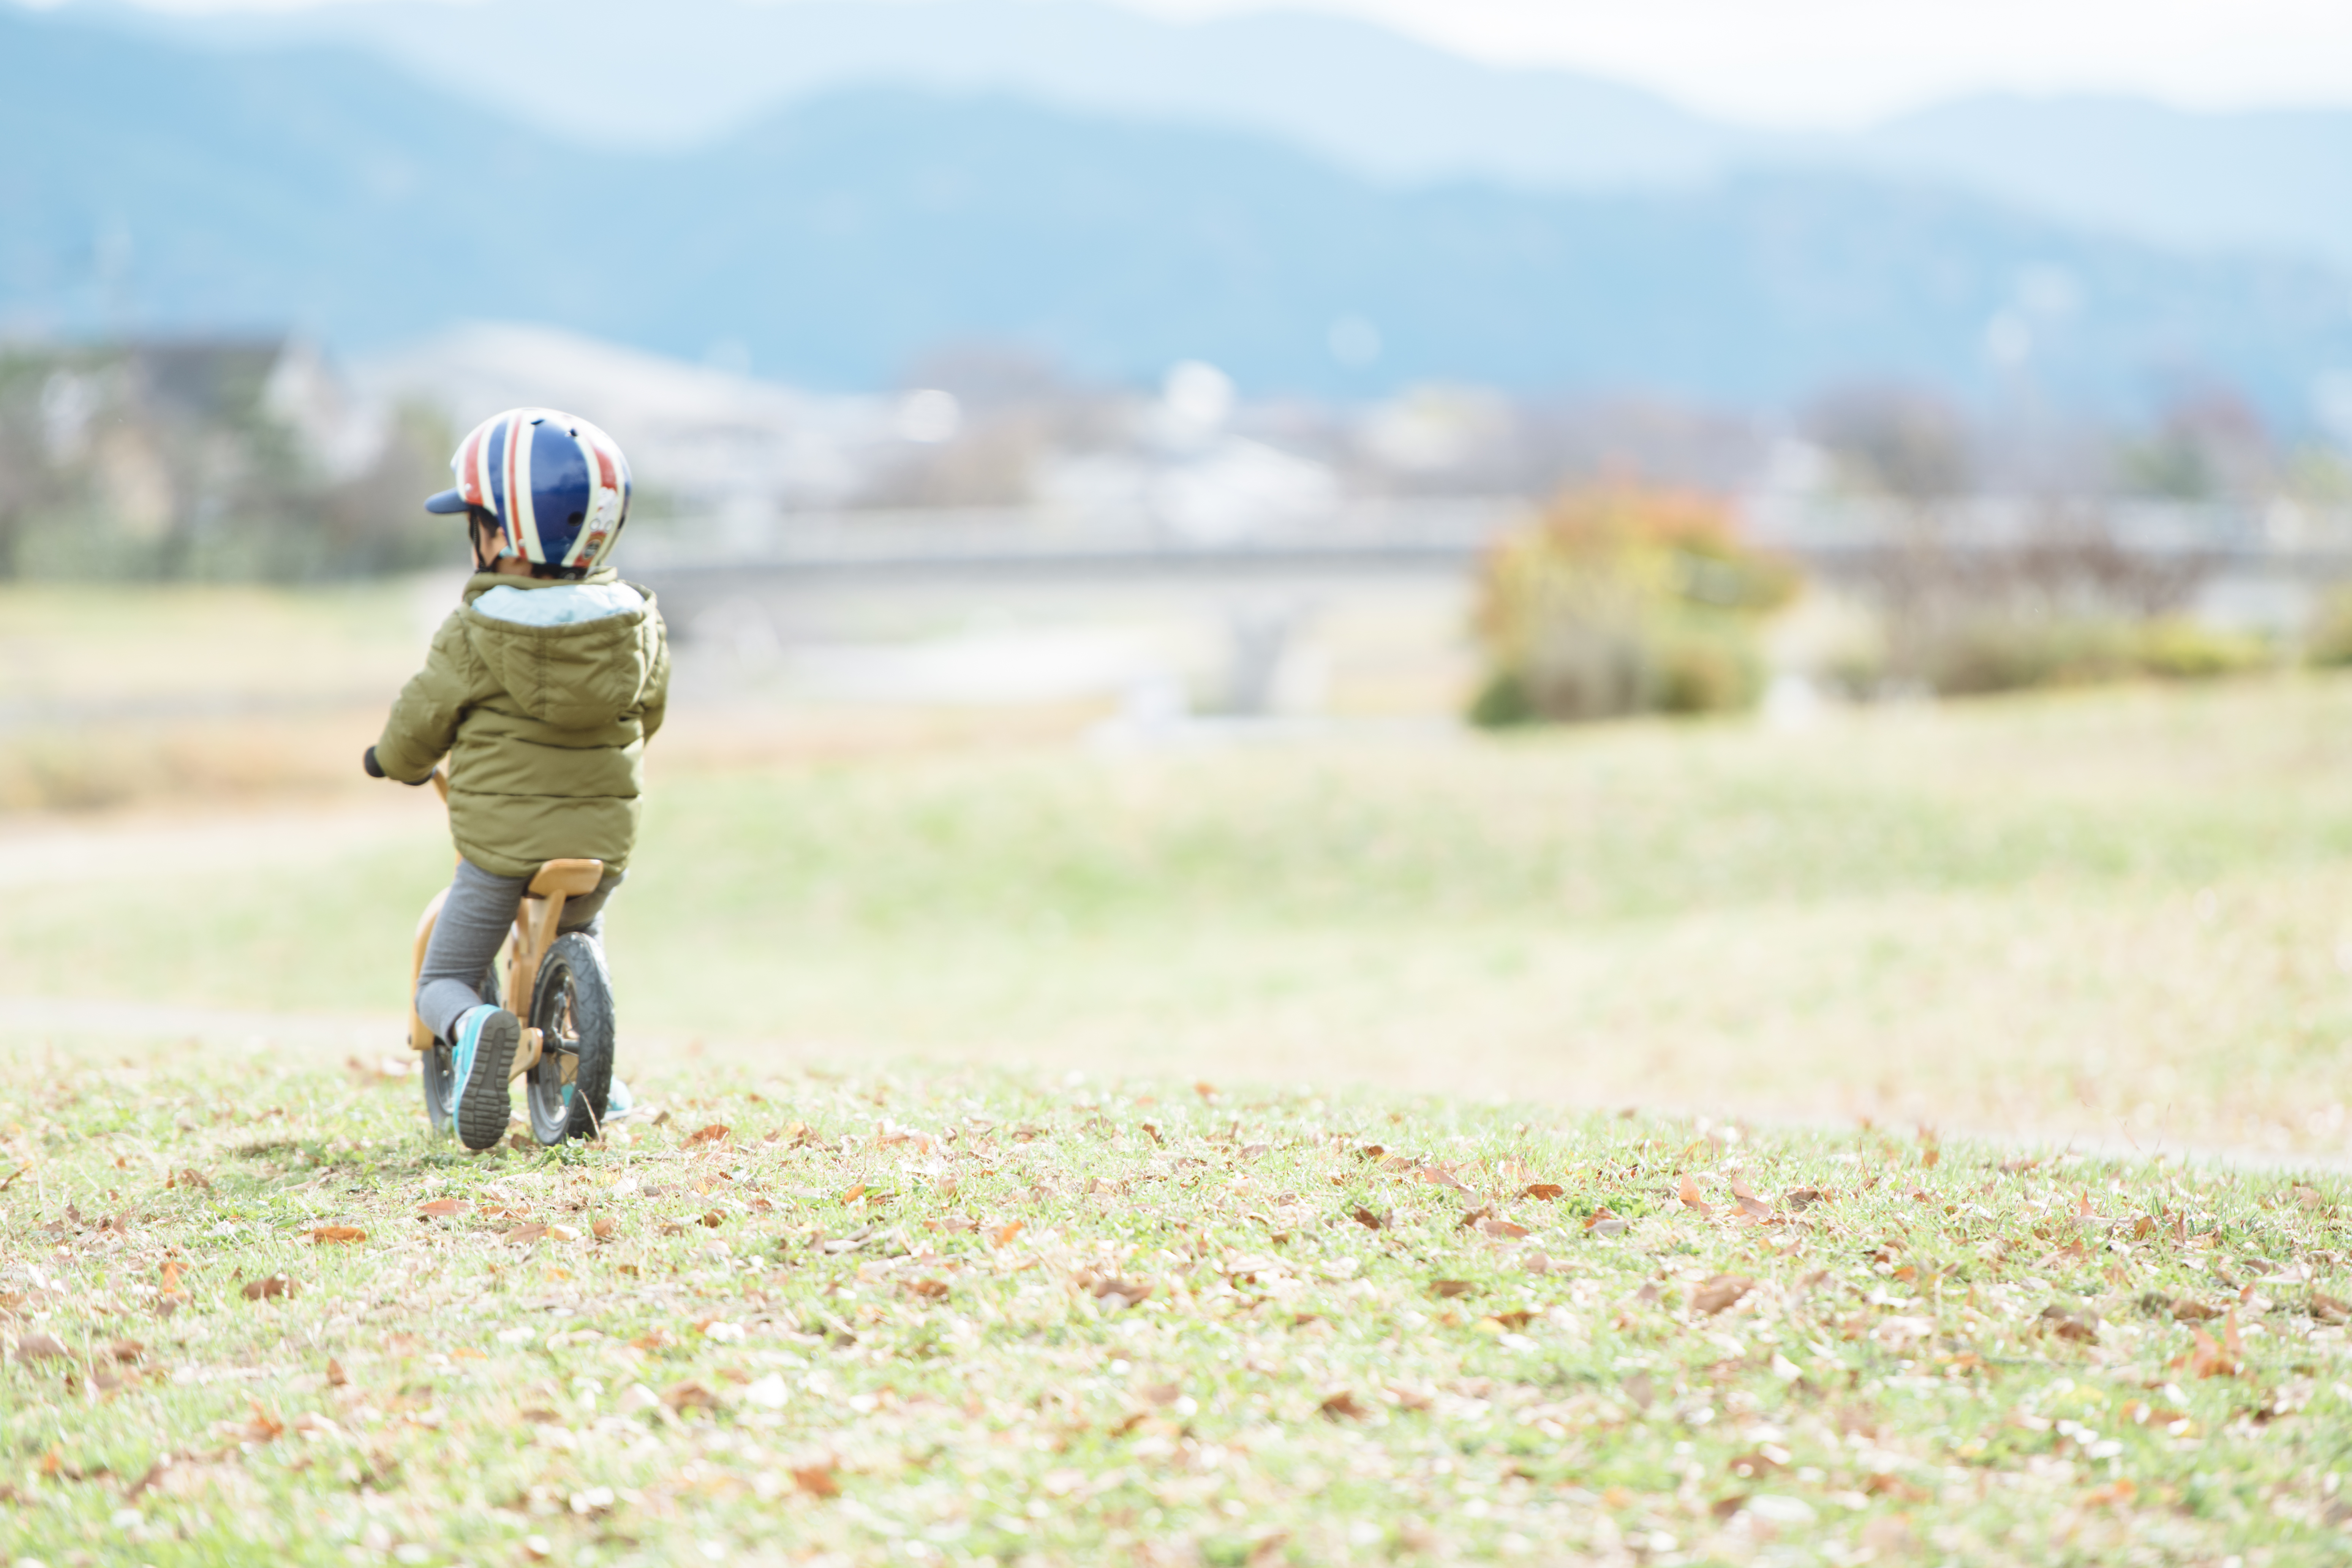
x=559, y=486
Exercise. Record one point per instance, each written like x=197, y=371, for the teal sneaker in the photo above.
x=481, y=1052
x=618, y=1100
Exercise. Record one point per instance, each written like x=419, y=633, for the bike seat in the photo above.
x=572, y=879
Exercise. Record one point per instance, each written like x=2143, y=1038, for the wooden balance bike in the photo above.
x=567, y=1036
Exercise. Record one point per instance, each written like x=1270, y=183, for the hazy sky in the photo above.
x=1833, y=60
x=1841, y=59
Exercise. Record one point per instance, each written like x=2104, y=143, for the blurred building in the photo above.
x=239, y=458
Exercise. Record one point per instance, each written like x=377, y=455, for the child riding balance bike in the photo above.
x=541, y=689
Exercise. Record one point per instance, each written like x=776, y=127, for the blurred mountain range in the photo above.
x=372, y=195
x=621, y=73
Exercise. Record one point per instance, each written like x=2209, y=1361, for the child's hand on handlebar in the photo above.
x=375, y=770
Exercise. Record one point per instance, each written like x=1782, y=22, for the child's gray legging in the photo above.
x=474, y=922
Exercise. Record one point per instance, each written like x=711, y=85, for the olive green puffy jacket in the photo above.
x=544, y=726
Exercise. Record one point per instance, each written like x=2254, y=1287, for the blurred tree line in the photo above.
x=1991, y=558
x=197, y=460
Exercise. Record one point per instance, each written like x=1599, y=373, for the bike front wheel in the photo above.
x=566, y=1089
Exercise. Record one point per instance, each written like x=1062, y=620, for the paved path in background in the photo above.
x=36, y=851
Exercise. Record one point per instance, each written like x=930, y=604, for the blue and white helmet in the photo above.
x=559, y=486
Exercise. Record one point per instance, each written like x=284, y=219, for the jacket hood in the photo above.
x=580, y=676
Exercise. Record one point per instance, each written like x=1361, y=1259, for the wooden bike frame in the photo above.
x=537, y=922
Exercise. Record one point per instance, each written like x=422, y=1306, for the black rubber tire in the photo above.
x=439, y=1073
x=572, y=1010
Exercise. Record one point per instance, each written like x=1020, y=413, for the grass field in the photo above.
x=253, y=1312
x=2124, y=916
x=1215, y=1156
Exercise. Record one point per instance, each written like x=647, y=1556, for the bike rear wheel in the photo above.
x=440, y=1074
x=572, y=1010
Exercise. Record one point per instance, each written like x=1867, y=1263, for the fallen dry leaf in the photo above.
x=332, y=1235
x=1115, y=1291
x=1501, y=1229
x=1341, y=1405
x=38, y=1346
x=1898, y=1331
x=685, y=1397
x=1003, y=1234
x=443, y=1208
x=2208, y=1358
x=1721, y=1293
x=818, y=1480
x=269, y=1290
x=336, y=1377
x=2081, y=1327
x=154, y=1474
x=1546, y=1191
x=716, y=1132
x=523, y=1234
x=1368, y=1219
x=1691, y=1198
x=263, y=1427
x=1449, y=1288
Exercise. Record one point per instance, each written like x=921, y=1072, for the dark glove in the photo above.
x=375, y=770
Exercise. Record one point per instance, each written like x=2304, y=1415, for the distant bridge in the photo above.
x=1448, y=535
x=811, y=594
